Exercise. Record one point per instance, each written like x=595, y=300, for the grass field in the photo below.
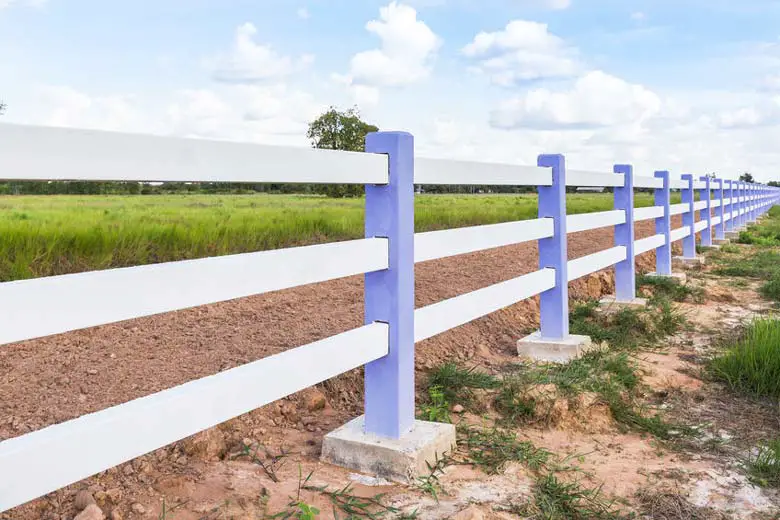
x=48, y=235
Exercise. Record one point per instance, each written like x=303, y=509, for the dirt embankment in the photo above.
x=54, y=379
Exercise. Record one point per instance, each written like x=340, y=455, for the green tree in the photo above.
x=776, y=184
x=2, y=107
x=340, y=130
x=746, y=177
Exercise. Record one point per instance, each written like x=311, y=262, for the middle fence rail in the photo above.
x=386, y=256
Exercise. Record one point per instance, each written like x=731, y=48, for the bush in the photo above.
x=752, y=364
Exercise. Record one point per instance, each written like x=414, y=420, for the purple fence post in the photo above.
x=741, y=206
x=719, y=228
x=663, y=226
x=706, y=213
x=554, y=303
x=688, y=218
x=625, y=271
x=730, y=222
x=389, y=294
x=753, y=196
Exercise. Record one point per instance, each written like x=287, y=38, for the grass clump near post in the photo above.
x=457, y=384
x=752, y=364
x=764, y=466
x=670, y=289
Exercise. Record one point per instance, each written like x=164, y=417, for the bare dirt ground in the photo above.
x=209, y=476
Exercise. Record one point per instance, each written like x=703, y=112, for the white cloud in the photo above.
x=408, y=47
x=558, y=4
x=596, y=99
x=638, y=16
x=522, y=51
x=303, y=13
x=37, y=4
x=250, y=62
x=67, y=107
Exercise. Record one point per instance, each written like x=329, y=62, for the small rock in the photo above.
x=457, y=409
x=116, y=514
x=92, y=372
x=138, y=508
x=82, y=398
x=114, y=495
x=314, y=400
x=208, y=445
x=92, y=512
x=83, y=499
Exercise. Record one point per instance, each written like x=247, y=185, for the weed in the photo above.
x=345, y=501
x=165, y=510
x=457, y=383
x=671, y=289
x=512, y=403
x=764, y=466
x=762, y=265
x=558, y=500
x=438, y=408
x=429, y=483
x=729, y=249
x=771, y=288
x=492, y=449
x=633, y=417
x=671, y=505
x=272, y=463
x=752, y=363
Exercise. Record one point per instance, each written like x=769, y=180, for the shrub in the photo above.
x=752, y=364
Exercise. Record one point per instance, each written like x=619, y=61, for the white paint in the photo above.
x=451, y=242
x=699, y=185
x=648, y=182
x=715, y=220
x=445, y=171
x=596, y=262
x=48, y=459
x=715, y=203
x=594, y=179
x=678, y=184
x=700, y=204
x=586, y=221
x=648, y=244
x=651, y=212
x=678, y=209
x=698, y=226
x=448, y=314
x=679, y=233
x=45, y=306
x=44, y=153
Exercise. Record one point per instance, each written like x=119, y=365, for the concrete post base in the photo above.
x=721, y=241
x=612, y=302
x=400, y=460
x=553, y=351
x=732, y=234
x=714, y=246
x=681, y=277
x=688, y=262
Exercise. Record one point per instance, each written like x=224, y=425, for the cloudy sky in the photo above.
x=686, y=85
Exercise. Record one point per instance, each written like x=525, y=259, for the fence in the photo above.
x=385, y=344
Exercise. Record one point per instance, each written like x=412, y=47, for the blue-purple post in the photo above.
x=719, y=229
x=625, y=272
x=389, y=294
x=663, y=226
x=689, y=242
x=554, y=303
x=706, y=213
x=730, y=223
x=741, y=207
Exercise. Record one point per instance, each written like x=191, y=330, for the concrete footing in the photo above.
x=688, y=262
x=681, y=277
x=400, y=460
x=720, y=241
x=553, y=351
x=732, y=234
x=612, y=302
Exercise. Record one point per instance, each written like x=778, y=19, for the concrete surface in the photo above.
x=555, y=351
x=681, y=277
x=400, y=460
x=688, y=262
x=611, y=301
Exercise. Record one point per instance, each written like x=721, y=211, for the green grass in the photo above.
x=763, y=467
x=671, y=289
x=752, y=364
x=49, y=235
x=765, y=234
x=457, y=384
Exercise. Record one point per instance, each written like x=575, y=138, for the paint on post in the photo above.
x=689, y=242
x=389, y=294
x=705, y=214
x=730, y=191
x=554, y=303
x=625, y=272
x=663, y=255
x=719, y=228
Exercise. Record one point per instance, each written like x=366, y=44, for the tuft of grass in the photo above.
x=762, y=265
x=437, y=409
x=457, y=383
x=512, y=403
x=752, y=364
x=771, y=288
x=729, y=249
x=764, y=466
x=491, y=449
x=637, y=418
x=671, y=289
x=555, y=499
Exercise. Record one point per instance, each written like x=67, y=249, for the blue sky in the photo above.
x=687, y=85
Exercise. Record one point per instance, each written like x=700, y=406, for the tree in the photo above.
x=340, y=130
x=746, y=177
x=775, y=184
x=2, y=107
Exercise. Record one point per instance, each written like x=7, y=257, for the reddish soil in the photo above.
x=54, y=379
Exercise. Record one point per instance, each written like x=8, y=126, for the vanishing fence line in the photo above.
x=385, y=344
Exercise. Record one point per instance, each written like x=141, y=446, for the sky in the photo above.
x=690, y=86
